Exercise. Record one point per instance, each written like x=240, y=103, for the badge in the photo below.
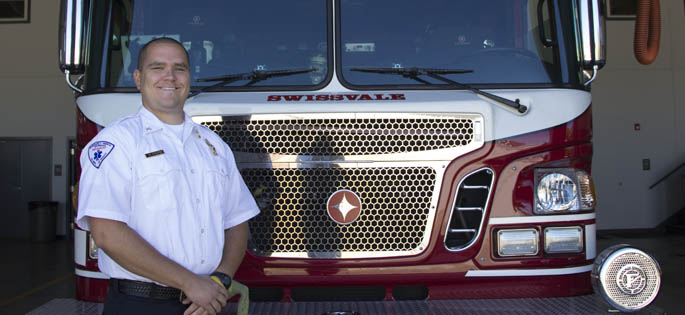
x=98, y=151
x=151, y=154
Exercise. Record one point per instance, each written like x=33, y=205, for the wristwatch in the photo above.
x=222, y=278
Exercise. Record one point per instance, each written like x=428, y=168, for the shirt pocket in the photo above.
x=217, y=179
x=157, y=182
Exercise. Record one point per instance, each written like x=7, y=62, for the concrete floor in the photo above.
x=33, y=274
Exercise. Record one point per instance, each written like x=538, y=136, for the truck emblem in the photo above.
x=344, y=207
x=631, y=279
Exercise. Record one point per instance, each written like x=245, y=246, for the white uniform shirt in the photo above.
x=179, y=196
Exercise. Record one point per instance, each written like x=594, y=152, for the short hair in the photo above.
x=161, y=40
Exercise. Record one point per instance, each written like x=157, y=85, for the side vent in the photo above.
x=468, y=210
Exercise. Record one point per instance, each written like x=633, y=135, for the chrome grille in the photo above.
x=396, y=207
x=469, y=209
x=359, y=134
x=393, y=161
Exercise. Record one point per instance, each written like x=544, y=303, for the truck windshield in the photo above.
x=500, y=40
x=221, y=37
x=517, y=43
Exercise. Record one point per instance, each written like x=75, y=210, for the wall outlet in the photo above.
x=58, y=170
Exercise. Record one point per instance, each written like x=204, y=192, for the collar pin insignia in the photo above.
x=211, y=147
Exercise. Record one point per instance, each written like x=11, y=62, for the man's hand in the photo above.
x=206, y=296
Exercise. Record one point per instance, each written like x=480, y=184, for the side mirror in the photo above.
x=71, y=36
x=592, y=31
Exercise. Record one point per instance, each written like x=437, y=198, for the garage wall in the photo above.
x=627, y=93
x=35, y=100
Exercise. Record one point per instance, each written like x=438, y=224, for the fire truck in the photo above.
x=399, y=151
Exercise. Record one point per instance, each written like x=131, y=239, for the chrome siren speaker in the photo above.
x=627, y=278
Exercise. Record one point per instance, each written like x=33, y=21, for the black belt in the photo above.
x=144, y=289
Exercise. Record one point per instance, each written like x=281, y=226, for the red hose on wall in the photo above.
x=647, y=31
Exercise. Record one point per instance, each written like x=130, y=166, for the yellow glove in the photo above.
x=237, y=288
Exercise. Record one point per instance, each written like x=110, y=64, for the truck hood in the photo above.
x=547, y=107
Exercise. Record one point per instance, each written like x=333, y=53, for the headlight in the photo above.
x=563, y=190
x=518, y=242
x=563, y=240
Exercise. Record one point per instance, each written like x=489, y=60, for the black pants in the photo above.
x=122, y=304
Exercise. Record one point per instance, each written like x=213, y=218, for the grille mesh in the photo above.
x=395, y=202
x=325, y=137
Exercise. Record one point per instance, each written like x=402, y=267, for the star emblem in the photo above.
x=344, y=206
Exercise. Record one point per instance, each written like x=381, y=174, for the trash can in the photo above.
x=43, y=217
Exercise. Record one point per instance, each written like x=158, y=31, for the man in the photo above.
x=163, y=199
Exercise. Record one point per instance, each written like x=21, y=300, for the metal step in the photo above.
x=587, y=304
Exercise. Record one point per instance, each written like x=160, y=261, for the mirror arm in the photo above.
x=71, y=85
x=595, y=69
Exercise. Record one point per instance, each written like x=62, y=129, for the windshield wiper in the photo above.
x=254, y=77
x=414, y=73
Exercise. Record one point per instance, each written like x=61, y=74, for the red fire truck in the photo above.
x=399, y=151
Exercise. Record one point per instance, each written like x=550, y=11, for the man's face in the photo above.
x=164, y=78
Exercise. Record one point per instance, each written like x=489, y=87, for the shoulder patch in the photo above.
x=98, y=151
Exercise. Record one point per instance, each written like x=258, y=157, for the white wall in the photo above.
x=626, y=93
x=35, y=100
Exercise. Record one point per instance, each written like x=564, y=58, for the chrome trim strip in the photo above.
x=482, y=220
x=542, y=219
x=590, y=241
x=528, y=272
x=80, y=247
x=475, y=187
x=90, y=274
x=297, y=116
x=461, y=230
x=470, y=208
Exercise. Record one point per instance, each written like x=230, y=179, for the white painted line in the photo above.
x=91, y=274
x=527, y=272
x=543, y=219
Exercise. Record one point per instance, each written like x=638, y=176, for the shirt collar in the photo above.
x=151, y=123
